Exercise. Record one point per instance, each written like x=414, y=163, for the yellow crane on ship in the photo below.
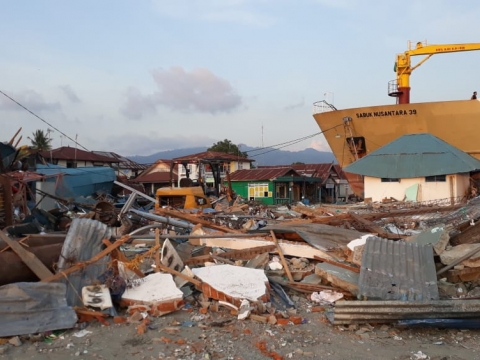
x=400, y=87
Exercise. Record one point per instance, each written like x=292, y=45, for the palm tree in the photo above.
x=40, y=141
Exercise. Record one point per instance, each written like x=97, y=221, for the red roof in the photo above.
x=68, y=153
x=340, y=172
x=156, y=177
x=212, y=155
x=312, y=170
x=261, y=174
x=124, y=163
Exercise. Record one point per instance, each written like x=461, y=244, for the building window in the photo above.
x=390, y=180
x=258, y=191
x=240, y=165
x=436, y=178
x=281, y=191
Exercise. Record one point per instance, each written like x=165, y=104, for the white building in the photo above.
x=416, y=167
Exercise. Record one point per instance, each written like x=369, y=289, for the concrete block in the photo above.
x=339, y=277
x=157, y=292
x=233, y=284
x=438, y=237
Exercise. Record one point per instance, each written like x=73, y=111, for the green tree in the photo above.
x=40, y=141
x=226, y=146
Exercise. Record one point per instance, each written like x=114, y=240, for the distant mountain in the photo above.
x=262, y=156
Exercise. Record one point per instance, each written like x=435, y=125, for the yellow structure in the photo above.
x=182, y=198
x=403, y=67
x=354, y=133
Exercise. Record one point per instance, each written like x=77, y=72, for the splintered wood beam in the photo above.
x=194, y=220
x=166, y=269
x=84, y=264
x=27, y=257
x=244, y=254
x=336, y=263
x=370, y=226
x=282, y=258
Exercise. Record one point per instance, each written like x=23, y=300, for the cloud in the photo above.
x=294, y=106
x=197, y=91
x=244, y=12
x=69, y=93
x=138, y=144
x=30, y=99
x=137, y=104
x=320, y=144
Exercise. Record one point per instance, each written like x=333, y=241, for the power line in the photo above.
x=45, y=121
x=288, y=143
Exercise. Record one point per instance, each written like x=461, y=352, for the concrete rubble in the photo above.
x=249, y=262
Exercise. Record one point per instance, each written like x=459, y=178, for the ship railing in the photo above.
x=322, y=106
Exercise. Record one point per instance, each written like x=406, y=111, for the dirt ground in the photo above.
x=188, y=334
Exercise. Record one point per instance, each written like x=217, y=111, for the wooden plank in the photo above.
x=27, y=257
x=94, y=259
x=282, y=258
x=195, y=282
x=247, y=254
x=194, y=220
x=370, y=226
x=336, y=263
x=288, y=247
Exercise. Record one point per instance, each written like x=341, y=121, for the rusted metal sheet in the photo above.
x=394, y=270
x=360, y=312
x=13, y=270
x=6, y=207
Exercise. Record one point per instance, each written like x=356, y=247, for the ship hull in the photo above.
x=354, y=133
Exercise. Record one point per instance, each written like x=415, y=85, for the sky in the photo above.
x=141, y=76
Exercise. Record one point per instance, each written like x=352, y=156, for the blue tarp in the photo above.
x=83, y=181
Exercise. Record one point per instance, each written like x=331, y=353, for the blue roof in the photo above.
x=414, y=155
x=82, y=181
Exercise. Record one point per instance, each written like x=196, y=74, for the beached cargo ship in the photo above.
x=356, y=132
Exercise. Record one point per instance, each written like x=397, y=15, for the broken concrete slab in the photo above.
x=97, y=296
x=233, y=283
x=156, y=293
x=357, y=255
x=258, y=262
x=449, y=256
x=438, y=237
x=339, y=277
x=312, y=279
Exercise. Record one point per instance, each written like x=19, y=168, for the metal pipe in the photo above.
x=162, y=219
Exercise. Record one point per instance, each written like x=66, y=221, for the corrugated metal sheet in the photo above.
x=361, y=312
x=397, y=270
x=314, y=170
x=33, y=307
x=261, y=174
x=124, y=163
x=83, y=241
x=158, y=176
x=414, y=155
x=83, y=181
